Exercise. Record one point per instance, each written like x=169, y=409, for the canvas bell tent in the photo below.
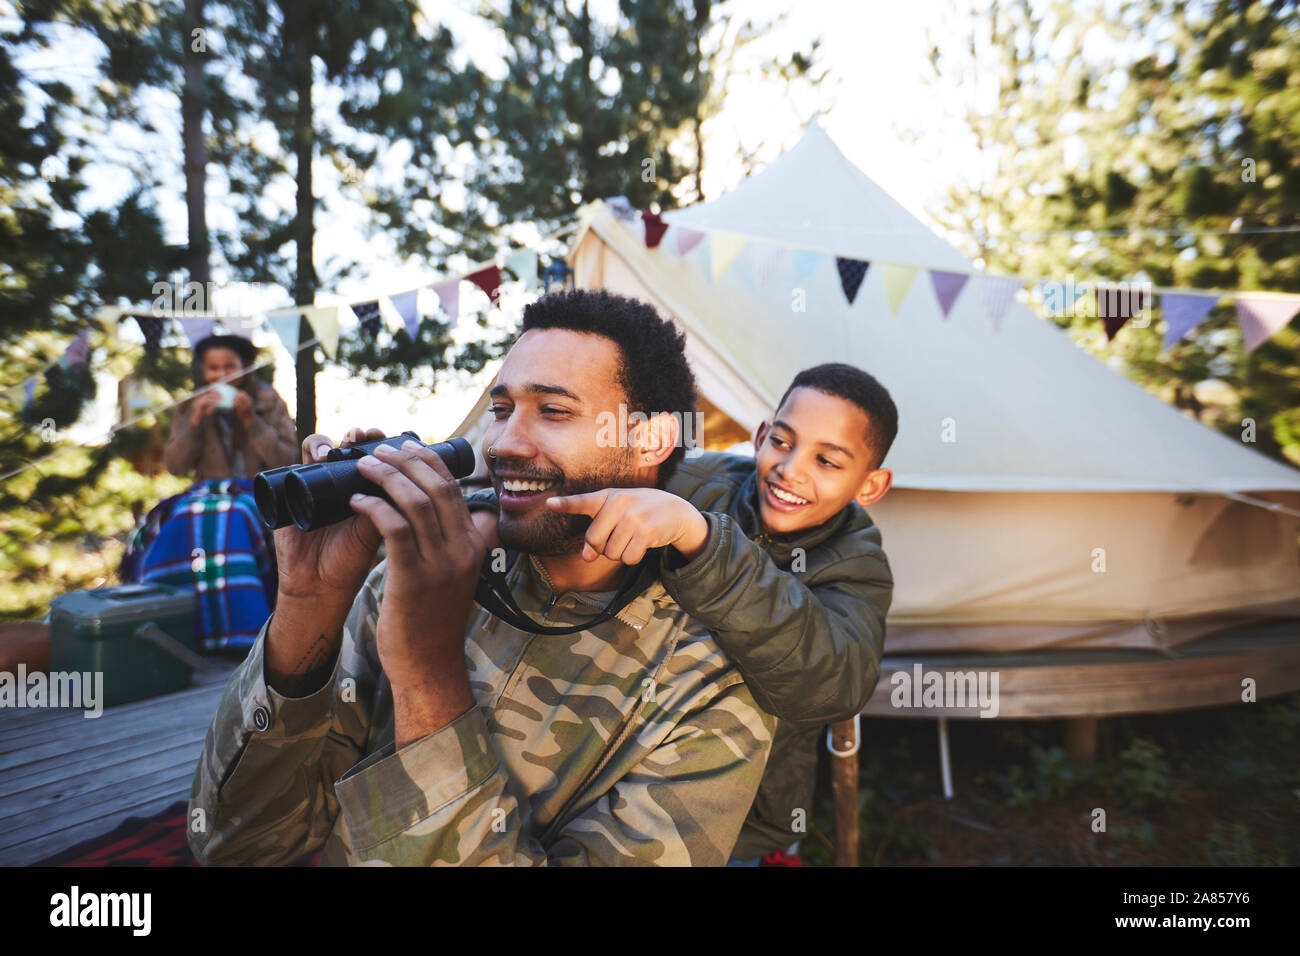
x=1040, y=500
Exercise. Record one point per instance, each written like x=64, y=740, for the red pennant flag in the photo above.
x=1117, y=304
x=489, y=280
x=655, y=228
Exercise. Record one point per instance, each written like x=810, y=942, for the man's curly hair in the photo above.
x=654, y=373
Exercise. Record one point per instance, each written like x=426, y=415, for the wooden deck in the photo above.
x=65, y=778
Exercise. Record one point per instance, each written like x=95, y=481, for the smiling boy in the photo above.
x=777, y=557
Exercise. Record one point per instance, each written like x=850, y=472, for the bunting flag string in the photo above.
x=1183, y=313
x=687, y=239
x=947, y=286
x=406, y=305
x=766, y=259
x=367, y=314
x=285, y=324
x=489, y=280
x=852, y=272
x=655, y=228
x=1262, y=315
x=723, y=250
x=897, y=280
x=524, y=265
x=805, y=260
x=999, y=291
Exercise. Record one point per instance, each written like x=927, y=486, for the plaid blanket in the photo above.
x=211, y=540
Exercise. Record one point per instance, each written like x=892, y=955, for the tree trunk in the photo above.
x=194, y=104
x=298, y=39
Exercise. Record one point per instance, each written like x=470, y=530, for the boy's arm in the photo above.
x=808, y=643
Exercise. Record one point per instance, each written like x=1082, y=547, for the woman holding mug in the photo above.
x=234, y=429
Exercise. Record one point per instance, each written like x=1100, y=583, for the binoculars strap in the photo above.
x=493, y=595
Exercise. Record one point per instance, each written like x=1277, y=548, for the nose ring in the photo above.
x=492, y=451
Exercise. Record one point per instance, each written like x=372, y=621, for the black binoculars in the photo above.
x=317, y=495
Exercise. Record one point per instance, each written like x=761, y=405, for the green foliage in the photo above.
x=1143, y=778
x=1172, y=125
x=1234, y=845
x=1051, y=777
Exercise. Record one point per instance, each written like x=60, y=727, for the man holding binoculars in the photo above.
x=385, y=716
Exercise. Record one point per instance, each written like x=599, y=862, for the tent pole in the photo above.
x=945, y=762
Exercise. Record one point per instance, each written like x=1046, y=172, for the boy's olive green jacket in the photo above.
x=802, y=616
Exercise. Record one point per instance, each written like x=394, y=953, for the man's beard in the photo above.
x=555, y=534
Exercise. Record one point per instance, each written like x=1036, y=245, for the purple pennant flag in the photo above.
x=1263, y=315
x=78, y=351
x=766, y=259
x=999, y=291
x=1183, y=312
x=947, y=286
x=687, y=239
x=196, y=329
x=404, y=303
x=29, y=392
x=852, y=272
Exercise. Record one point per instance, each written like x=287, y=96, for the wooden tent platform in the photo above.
x=1097, y=683
x=65, y=778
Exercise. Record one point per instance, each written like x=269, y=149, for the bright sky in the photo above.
x=899, y=130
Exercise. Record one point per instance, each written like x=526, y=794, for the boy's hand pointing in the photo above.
x=628, y=522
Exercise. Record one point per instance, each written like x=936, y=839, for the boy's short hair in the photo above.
x=653, y=369
x=854, y=385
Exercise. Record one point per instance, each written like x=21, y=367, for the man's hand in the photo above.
x=320, y=573
x=434, y=555
x=628, y=522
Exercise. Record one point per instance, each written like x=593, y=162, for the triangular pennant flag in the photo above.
x=897, y=279
x=1117, y=304
x=947, y=286
x=489, y=280
x=766, y=259
x=1183, y=312
x=152, y=329
x=285, y=324
x=852, y=272
x=999, y=291
x=324, y=321
x=723, y=250
x=406, y=305
x=196, y=330
x=367, y=314
x=687, y=239
x=655, y=228
x=805, y=260
x=449, y=296
x=524, y=264
x=1262, y=316
x=242, y=326
x=17, y=394
x=78, y=350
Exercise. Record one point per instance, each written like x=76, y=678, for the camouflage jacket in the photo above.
x=633, y=742
x=802, y=615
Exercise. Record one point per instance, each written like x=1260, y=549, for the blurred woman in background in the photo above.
x=233, y=430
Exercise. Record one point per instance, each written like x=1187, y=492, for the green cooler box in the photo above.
x=140, y=636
